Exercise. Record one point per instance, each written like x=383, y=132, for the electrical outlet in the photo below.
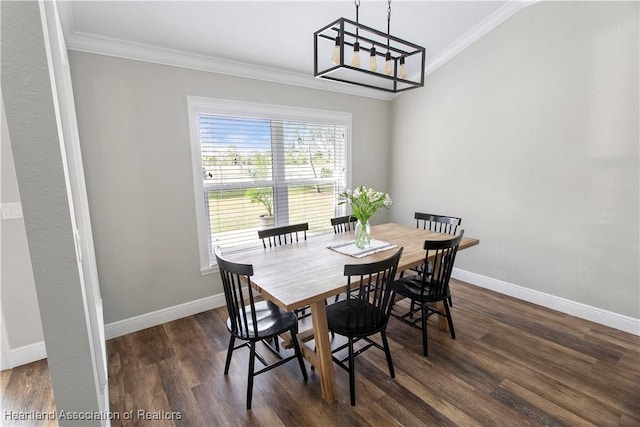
x=12, y=210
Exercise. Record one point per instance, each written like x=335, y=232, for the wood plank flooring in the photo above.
x=512, y=364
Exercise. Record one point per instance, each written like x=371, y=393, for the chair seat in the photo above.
x=271, y=321
x=411, y=287
x=337, y=318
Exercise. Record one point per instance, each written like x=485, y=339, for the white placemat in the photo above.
x=349, y=248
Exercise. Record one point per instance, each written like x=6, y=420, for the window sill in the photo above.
x=212, y=269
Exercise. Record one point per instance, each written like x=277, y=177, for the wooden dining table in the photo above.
x=308, y=272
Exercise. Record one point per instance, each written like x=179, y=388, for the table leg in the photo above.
x=444, y=325
x=323, y=351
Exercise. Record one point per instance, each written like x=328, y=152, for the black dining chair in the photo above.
x=441, y=224
x=342, y=224
x=365, y=312
x=283, y=235
x=257, y=321
x=425, y=289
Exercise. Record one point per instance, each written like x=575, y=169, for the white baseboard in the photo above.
x=36, y=351
x=608, y=318
x=158, y=317
x=5, y=347
x=27, y=354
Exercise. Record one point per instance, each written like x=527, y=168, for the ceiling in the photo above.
x=275, y=37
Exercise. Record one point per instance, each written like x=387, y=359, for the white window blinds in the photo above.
x=260, y=172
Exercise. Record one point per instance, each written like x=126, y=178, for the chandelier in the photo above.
x=333, y=43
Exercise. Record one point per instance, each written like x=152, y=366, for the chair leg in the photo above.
x=232, y=341
x=449, y=320
x=352, y=374
x=425, y=345
x=252, y=359
x=387, y=352
x=450, y=301
x=296, y=347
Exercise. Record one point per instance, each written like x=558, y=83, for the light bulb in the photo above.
x=403, y=69
x=387, y=64
x=356, y=55
x=336, y=52
x=373, y=63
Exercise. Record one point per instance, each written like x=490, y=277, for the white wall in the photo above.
x=531, y=136
x=134, y=132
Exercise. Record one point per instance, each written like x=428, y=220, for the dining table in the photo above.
x=311, y=272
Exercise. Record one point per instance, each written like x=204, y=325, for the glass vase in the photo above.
x=363, y=235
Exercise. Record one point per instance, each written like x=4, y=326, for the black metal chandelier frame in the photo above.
x=345, y=32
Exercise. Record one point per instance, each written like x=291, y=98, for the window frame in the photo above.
x=225, y=107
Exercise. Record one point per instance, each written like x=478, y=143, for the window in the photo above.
x=258, y=166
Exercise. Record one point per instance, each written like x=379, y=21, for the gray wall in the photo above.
x=43, y=180
x=531, y=136
x=133, y=124
x=19, y=301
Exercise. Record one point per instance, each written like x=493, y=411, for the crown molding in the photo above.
x=505, y=12
x=89, y=43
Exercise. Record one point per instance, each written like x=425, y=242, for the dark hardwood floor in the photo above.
x=512, y=364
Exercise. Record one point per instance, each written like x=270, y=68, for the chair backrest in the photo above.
x=236, y=281
x=438, y=223
x=342, y=224
x=283, y=235
x=370, y=293
x=442, y=255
